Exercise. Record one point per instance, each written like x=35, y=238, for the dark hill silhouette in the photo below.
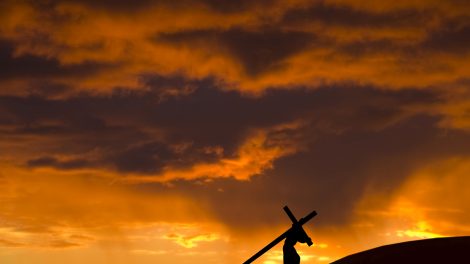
x=436, y=250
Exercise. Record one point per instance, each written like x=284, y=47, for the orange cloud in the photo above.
x=253, y=157
x=38, y=202
x=429, y=204
x=191, y=241
x=132, y=44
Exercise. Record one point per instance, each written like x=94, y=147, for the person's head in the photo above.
x=300, y=235
x=291, y=238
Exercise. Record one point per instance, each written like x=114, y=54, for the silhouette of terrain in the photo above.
x=436, y=250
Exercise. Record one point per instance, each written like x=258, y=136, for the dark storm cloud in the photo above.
x=53, y=162
x=346, y=16
x=152, y=157
x=31, y=113
x=358, y=49
x=258, y=50
x=235, y=6
x=119, y=127
x=147, y=158
x=452, y=37
x=331, y=176
x=130, y=6
x=32, y=66
x=114, y=5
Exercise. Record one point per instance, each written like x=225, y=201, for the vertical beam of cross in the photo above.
x=290, y=214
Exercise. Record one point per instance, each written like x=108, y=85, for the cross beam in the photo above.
x=300, y=223
x=295, y=222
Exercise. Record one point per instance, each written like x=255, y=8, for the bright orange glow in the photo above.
x=56, y=218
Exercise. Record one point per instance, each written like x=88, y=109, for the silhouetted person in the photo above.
x=290, y=254
x=296, y=234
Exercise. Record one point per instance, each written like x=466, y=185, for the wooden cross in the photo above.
x=295, y=223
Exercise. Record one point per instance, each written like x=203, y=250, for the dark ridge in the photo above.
x=436, y=250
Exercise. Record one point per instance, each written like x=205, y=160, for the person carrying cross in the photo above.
x=295, y=234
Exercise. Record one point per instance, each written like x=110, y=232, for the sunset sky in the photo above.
x=175, y=131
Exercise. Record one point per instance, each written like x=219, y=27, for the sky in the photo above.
x=175, y=131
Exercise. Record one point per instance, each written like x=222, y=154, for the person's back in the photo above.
x=290, y=254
